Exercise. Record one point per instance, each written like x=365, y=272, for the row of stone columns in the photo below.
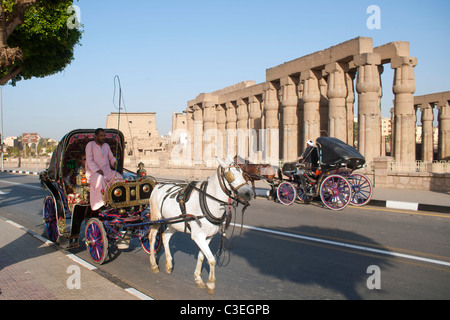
x=292, y=106
x=427, y=119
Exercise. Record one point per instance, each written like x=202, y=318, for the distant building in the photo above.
x=11, y=141
x=141, y=134
x=386, y=127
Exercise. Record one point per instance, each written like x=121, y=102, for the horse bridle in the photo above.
x=229, y=177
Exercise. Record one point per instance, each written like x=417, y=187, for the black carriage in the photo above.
x=66, y=207
x=328, y=173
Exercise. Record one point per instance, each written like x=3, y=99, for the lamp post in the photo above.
x=1, y=111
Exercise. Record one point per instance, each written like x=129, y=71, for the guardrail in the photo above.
x=420, y=166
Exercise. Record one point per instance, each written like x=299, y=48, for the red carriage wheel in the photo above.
x=286, y=193
x=335, y=192
x=50, y=220
x=96, y=240
x=145, y=242
x=361, y=189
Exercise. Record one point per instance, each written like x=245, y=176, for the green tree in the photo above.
x=36, y=39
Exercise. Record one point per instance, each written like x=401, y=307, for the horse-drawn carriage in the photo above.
x=137, y=206
x=329, y=174
x=67, y=205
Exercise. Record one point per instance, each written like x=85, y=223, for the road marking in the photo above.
x=352, y=246
x=138, y=294
x=22, y=184
x=407, y=212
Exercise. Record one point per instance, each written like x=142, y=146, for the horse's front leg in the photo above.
x=203, y=244
x=152, y=240
x=198, y=270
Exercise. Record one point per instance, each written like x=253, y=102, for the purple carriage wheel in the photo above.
x=50, y=220
x=145, y=242
x=335, y=192
x=361, y=189
x=96, y=240
x=286, y=193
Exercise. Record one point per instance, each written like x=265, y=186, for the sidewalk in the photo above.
x=32, y=269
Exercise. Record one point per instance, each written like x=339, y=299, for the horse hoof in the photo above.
x=210, y=288
x=168, y=270
x=155, y=269
x=200, y=284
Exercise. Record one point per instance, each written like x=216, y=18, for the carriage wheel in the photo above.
x=286, y=193
x=96, y=240
x=145, y=242
x=50, y=220
x=361, y=189
x=302, y=196
x=335, y=192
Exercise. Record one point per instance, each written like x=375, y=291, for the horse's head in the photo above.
x=233, y=178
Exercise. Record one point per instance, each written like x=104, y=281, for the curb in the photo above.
x=410, y=206
x=121, y=284
x=262, y=192
x=21, y=172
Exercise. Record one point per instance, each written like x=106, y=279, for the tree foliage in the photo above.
x=41, y=44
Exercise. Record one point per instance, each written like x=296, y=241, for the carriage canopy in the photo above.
x=336, y=152
x=74, y=143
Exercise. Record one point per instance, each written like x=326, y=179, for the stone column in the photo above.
x=221, y=120
x=404, y=88
x=309, y=93
x=254, y=112
x=289, y=101
x=198, y=135
x=271, y=149
x=337, y=92
x=231, y=130
x=190, y=132
x=368, y=86
x=427, y=132
x=349, y=101
x=210, y=143
x=242, y=129
x=444, y=130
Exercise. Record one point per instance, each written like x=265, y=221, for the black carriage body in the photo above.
x=60, y=179
x=336, y=153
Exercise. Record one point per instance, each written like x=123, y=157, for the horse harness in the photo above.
x=184, y=194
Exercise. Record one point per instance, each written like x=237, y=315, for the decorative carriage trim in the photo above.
x=128, y=194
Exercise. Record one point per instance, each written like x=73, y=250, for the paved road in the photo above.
x=295, y=252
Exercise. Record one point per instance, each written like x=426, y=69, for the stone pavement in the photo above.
x=32, y=269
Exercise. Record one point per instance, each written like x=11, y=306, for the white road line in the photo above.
x=22, y=184
x=81, y=261
x=138, y=294
x=347, y=245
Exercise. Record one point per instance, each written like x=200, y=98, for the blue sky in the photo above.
x=166, y=52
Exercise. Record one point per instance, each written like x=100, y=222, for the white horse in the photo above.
x=209, y=208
